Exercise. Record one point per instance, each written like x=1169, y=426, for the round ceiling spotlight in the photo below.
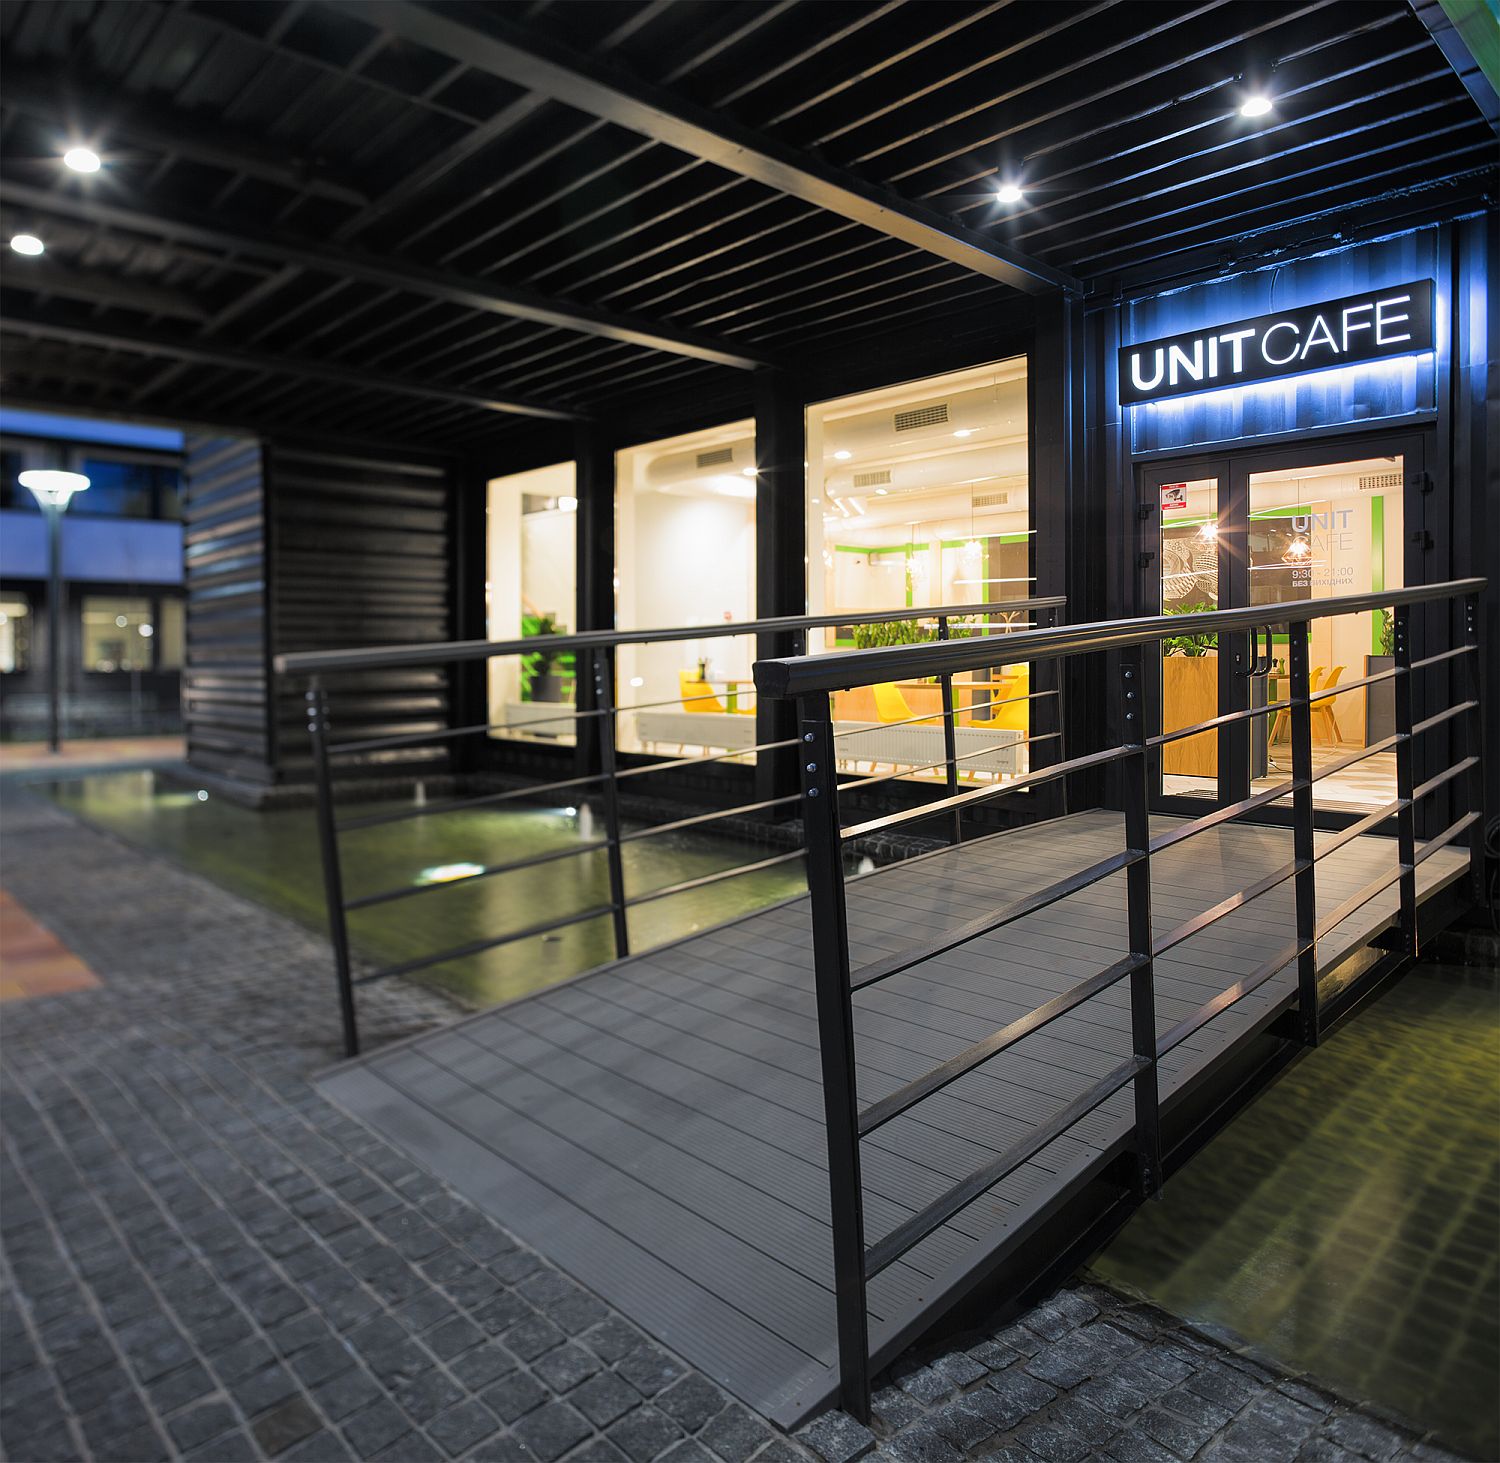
x=1009, y=193
x=26, y=244
x=842, y=456
x=1256, y=105
x=82, y=159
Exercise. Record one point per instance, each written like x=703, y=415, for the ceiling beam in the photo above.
x=343, y=262
x=46, y=277
x=1465, y=32
x=505, y=50
x=205, y=353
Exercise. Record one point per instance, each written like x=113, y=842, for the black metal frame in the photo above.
x=594, y=721
x=812, y=679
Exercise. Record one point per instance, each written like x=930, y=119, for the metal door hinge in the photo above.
x=1144, y=511
x=1144, y=558
x=1421, y=538
x=1421, y=481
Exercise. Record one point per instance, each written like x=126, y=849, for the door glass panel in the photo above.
x=1314, y=533
x=1190, y=663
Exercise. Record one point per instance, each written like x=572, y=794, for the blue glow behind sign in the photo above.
x=1373, y=325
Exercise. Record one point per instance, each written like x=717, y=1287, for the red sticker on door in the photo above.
x=1173, y=495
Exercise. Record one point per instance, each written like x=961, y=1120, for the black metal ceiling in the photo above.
x=435, y=224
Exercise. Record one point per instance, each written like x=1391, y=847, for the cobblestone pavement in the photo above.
x=1091, y=1374
x=203, y=1259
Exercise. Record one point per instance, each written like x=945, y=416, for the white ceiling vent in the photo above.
x=876, y=478
x=991, y=500
x=1378, y=482
x=716, y=458
x=922, y=416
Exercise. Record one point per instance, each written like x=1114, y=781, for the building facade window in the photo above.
x=685, y=556
x=531, y=590
x=117, y=634
x=15, y=632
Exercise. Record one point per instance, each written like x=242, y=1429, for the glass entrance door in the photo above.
x=1282, y=525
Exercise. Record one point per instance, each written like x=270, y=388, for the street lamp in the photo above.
x=53, y=491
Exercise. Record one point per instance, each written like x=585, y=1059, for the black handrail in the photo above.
x=384, y=657
x=811, y=680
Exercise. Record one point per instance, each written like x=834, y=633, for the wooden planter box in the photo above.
x=1190, y=693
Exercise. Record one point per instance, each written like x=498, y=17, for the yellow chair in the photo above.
x=1322, y=711
x=1282, y=720
x=1013, y=714
x=890, y=704
x=697, y=696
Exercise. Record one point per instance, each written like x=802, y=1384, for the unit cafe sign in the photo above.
x=1396, y=321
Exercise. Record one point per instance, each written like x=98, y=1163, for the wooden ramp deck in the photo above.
x=655, y=1126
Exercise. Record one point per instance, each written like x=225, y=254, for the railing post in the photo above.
x=1406, y=816
x=1474, y=744
x=1305, y=882
x=830, y=931
x=950, y=736
x=333, y=878
x=604, y=702
x=1138, y=903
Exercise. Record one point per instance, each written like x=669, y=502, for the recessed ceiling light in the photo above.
x=880, y=492
x=26, y=244
x=964, y=432
x=1008, y=193
x=748, y=472
x=842, y=456
x=1255, y=106
x=82, y=159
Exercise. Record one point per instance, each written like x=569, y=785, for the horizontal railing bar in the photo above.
x=371, y=744
x=1205, y=821
x=1433, y=783
x=1338, y=690
x=804, y=675
x=489, y=871
x=950, y=1071
x=709, y=757
x=878, y=970
x=378, y=657
x=1445, y=837
x=911, y=771
x=935, y=717
x=1212, y=915
x=682, y=701
x=1429, y=722
x=704, y=879
x=1353, y=831
x=980, y=794
x=427, y=810
x=478, y=947
x=1358, y=899
x=1227, y=998
x=1443, y=655
x=961, y=1195
x=1228, y=718
x=693, y=822
x=1359, y=754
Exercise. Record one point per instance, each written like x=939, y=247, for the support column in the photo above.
x=470, y=685
x=780, y=554
x=594, y=457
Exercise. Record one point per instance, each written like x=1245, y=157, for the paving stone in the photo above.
x=201, y=1424
x=550, y=1430
x=433, y=1392
x=836, y=1437
x=346, y=1393
x=178, y=1388
x=927, y=1384
x=478, y=1368
x=1365, y=1436
x=460, y=1427
x=649, y=1369
x=963, y=1424
x=1010, y=1397
x=565, y=1366
x=894, y=1408
x=279, y=1429
x=691, y=1401
x=375, y=1427
x=1184, y=1436
x=922, y=1443
x=263, y=1389
x=1052, y=1444
x=514, y=1396
x=734, y=1434
x=644, y=1433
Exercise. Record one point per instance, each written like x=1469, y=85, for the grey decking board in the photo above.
x=724, y=1025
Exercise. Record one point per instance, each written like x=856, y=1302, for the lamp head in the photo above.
x=52, y=487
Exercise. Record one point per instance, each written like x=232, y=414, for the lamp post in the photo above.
x=53, y=491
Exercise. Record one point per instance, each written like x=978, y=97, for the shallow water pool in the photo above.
x=1346, y=1222
x=271, y=857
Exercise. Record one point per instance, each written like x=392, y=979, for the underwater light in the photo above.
x=447, y=873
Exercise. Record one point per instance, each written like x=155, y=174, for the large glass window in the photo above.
x=15, y=632
x=117, y=634
x=530, y=590
x=129, y=489
x=920, y=495
x=686, y=557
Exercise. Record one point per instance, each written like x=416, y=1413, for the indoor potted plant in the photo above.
x=1380, y=699
x=1190, y=694
x=539, y=668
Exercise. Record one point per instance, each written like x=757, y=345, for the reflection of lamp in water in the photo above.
x=447, y=873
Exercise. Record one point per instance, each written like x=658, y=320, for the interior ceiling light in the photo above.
x=1008, y=193
x=26, y=244
x=568, y=503
x=1256, y=105
x=1208, y=532
x=749, y=472
x=842, y=456
x=1297, y=552
x=82, y=159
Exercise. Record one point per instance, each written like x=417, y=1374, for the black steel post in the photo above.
x=830, y=929
x=950, y=737
x=1138, y=904
x=1406, y=821
x=604, y=701
x=1305, y=880
x=333, y=878
x=54, y=514
x=1473, y=682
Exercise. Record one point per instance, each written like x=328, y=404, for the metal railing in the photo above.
x=599, y=712
x=811, y=680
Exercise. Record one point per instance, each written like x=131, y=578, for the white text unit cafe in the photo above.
x=1395, y=321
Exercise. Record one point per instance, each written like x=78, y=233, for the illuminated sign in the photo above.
x=1366, y=327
